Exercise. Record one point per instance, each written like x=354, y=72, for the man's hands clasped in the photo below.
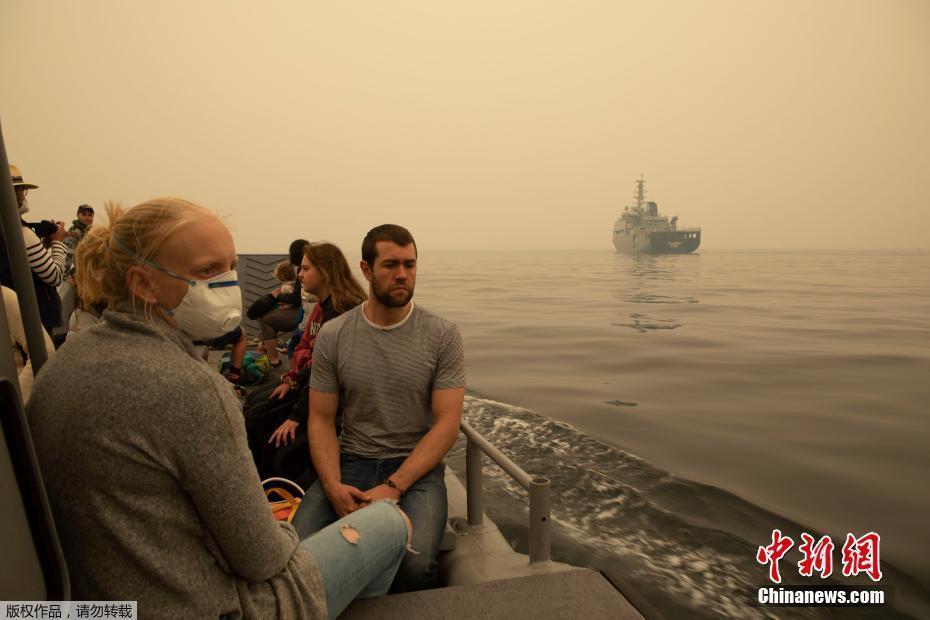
x=346, y=499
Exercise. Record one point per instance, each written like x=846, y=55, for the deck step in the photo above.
x=449, y=538
x=576, y=593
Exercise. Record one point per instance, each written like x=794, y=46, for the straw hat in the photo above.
x=18, y=179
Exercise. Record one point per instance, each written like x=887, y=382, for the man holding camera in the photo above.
x=47, y=260
x=68, y=288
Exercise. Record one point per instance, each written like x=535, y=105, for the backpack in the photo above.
x=255, y=367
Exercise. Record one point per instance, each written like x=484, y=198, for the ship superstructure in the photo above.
x=641, y=229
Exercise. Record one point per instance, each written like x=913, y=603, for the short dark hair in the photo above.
x=85, y=209
x=295, y=252
x=385, y=232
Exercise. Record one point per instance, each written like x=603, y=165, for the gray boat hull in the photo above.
x=643, y=241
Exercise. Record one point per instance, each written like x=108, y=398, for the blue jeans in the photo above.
x=363, y=568
x=425, y=504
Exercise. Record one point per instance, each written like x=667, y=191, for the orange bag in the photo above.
x=283, y=502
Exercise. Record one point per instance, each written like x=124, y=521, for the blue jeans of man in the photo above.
x=359, y=567
x=424, y=502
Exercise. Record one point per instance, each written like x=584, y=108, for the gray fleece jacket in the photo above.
x=144, y=454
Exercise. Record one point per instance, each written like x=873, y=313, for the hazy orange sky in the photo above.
x=515, y=124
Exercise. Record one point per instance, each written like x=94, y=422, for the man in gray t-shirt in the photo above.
x=397, y=373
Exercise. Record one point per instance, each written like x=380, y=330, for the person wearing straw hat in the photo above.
x=47, y=263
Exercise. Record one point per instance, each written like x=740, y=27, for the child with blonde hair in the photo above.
x=282, y=318
x=285, y=274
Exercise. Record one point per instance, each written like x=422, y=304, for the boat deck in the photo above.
x=576, y=593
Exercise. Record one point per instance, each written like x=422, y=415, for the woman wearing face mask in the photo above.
x=144, y=453
x=274, y=419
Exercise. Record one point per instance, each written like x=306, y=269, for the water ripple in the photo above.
x=686, y=543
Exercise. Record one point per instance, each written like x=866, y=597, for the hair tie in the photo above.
x=123, y=246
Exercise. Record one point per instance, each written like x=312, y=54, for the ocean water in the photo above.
x=685, y=406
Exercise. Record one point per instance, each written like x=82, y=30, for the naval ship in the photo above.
x=641, y=229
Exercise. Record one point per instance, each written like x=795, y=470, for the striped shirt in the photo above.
x=48, y=264
x=385, y=377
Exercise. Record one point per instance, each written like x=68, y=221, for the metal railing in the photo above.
x=537, y=486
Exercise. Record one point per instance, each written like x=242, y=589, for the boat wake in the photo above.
x=687, y=548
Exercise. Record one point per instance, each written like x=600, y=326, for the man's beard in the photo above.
x=24, y=207
x=387, y=299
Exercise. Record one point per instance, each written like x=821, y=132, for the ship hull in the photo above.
x=656, y=242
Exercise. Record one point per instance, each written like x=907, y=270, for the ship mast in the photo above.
x=640, y=193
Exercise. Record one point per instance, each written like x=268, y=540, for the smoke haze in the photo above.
x=789, y=124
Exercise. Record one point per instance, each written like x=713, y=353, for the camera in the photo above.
x=42, y=229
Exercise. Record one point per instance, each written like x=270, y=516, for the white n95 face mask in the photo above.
x=211, y=307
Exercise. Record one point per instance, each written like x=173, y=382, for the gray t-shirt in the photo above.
x=385, y=377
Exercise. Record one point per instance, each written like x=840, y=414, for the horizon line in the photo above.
x=567, y=249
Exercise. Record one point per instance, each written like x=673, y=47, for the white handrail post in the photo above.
x=540, y=542
x=474, y=483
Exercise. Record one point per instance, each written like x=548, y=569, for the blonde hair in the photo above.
x=129, y=238
x=285, y=272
